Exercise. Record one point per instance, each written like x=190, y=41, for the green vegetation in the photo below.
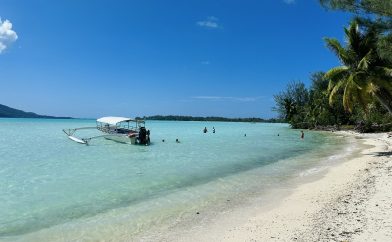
x=7, y=112
x=358, y=93
x=363, y=74
x=190, y=118
x=364, y=8
x=370, y=13
x=312, y=108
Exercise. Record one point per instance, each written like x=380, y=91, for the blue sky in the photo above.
x=92, y=58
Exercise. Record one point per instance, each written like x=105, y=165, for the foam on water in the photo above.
x=51, y=186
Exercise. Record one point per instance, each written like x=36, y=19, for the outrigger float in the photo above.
x=119, y=129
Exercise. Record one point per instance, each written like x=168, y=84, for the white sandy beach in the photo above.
x=351, y=202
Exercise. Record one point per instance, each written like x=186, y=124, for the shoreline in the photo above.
x=349, y=201
x=331, y=201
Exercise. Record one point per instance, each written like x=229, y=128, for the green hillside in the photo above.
x=8, y=112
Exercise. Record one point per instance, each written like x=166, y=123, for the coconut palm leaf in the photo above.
x=334, y=46
x=359, y=78
x=353, y=37
x=364, y=74
x=347, y=103
x=363, y=98
x=335, y=75
x=384, y=71
x=366, y=61
x=334, y=90
x=381, y=82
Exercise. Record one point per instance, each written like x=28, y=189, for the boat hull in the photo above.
x=122, y=139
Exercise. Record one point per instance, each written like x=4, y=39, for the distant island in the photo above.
x=8, y=112
x=212, y=118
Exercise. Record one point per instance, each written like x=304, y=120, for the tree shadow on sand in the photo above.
x=379, y=154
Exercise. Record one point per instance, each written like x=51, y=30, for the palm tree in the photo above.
x=363, y=74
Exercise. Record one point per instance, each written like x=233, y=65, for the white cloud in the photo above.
x=206, y=62
x=222, y=98
x=209, y=23
x=7, y=35
x=289, y=1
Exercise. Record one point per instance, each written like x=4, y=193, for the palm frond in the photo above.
x=382, y=82
x=360, y=79
x=369, y=41
x=338, y=50
x=353, y=36
x=347, y=95
x=366, y=61
x=346, y=101
x=383, y=71
x=363, y=97
x=336, y=75
x=334, y=90
x=364, y=73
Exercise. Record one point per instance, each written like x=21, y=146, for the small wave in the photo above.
x=335, y=157
x=311, y=171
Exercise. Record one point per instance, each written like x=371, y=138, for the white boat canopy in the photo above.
x=113, y=120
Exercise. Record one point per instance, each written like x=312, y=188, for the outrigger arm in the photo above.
x=70, y=134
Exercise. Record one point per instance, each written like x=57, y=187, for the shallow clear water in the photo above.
x=47, y=181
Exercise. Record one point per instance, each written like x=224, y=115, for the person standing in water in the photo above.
x=205, y=130
x=213, y=130
x=302, y=134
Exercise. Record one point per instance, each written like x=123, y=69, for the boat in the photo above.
x=119, y=129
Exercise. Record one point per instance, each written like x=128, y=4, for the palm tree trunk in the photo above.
x=385, y=98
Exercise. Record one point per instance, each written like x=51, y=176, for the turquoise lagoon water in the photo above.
x=52, y=188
